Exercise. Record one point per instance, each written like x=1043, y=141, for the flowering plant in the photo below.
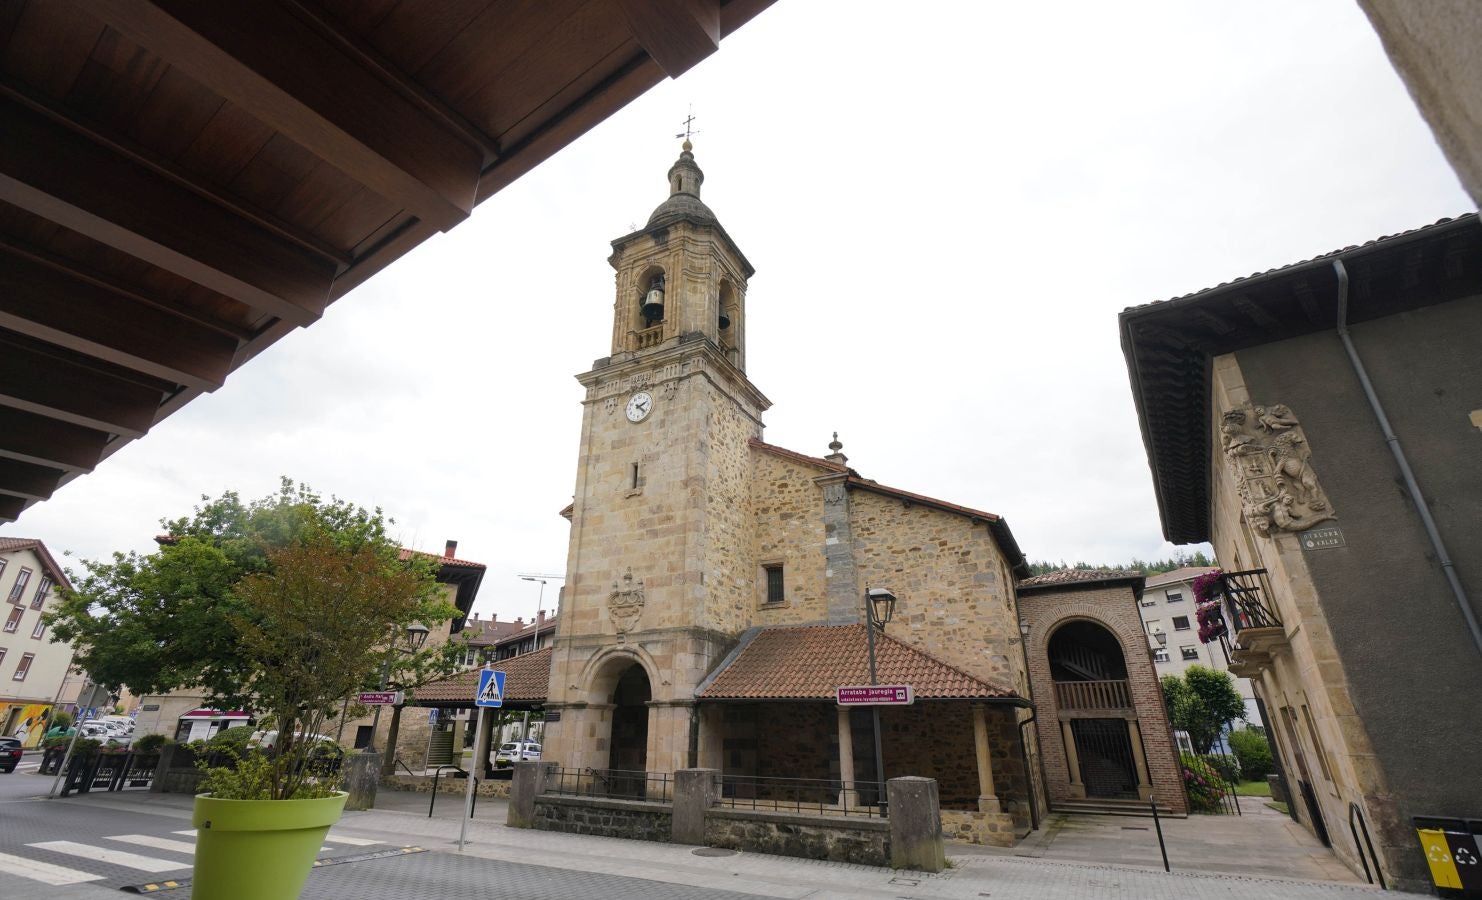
x=1202, y=784
x=1211, y=622
x=1204, y=585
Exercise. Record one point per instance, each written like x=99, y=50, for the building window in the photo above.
x=43, y=588
x=1149, y=601
x=1322, y=753
x=39, y=630
x=23, y=668
x=1180, y=623
x=1175, y=598
x=14, y=622
x=1189, y=651
x=1160, y=655
x=1155, y=626
x=21, y=579
x=774, y=584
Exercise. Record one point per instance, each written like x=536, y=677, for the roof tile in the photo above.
x=526, y=680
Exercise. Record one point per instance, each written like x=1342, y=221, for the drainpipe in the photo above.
x=1393, y=440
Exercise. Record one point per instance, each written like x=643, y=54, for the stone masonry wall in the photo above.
x=787, y=507
x=935, y=740
x=631, y=819
x=861, y=841
x=729, y=572
x=1115, y=608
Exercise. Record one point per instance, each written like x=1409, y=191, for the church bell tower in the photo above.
x=658, y=580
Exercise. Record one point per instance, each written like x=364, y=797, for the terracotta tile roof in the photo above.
x=1187, y=573
x=1079, y=576
x=799, y=457
x=489, y=631
x=526, y=680
x=406, y=553
x=808, y=662
x=58, y=577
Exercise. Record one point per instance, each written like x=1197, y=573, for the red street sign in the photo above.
x=378, y=698
x=875, y=695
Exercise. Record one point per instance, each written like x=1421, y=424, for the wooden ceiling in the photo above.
x=183, y=183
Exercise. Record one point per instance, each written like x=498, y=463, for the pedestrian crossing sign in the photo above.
x=491, y=689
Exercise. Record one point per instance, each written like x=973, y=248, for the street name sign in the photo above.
x=875, y=695
x=378, y=698
x=491, y=689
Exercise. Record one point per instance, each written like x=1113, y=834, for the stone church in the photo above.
x=715, y=584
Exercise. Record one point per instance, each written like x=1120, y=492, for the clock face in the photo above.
x=639, y=406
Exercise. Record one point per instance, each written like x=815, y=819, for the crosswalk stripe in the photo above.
x=46, y=873
x=189, y=831
x=352, y=841
x=112, y=857
x=158, y=843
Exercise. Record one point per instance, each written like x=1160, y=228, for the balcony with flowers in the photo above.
x=1235, y=609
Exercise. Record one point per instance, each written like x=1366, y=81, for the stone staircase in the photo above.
x=1108, y=806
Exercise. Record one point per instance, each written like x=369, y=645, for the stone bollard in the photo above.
x=1278, y=789
x=915, y=824
x=527, y=783
x=695, y=791
x=362, y=775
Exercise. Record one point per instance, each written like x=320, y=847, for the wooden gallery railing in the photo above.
x=1070, y=695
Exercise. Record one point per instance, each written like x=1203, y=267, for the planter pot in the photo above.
x=258, y=849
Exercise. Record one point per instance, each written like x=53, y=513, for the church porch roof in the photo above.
x=526, y=681
x=809, y=662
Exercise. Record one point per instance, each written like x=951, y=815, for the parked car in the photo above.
x=10, y=753
x=516, y=751
x=322, y=744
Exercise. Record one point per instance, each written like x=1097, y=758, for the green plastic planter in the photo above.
x=258, y=849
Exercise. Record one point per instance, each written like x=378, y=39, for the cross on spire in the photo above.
x=689, y=130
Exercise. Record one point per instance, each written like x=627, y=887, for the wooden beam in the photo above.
x=11, y=508
x=676, y=33
x=282, y=70
x=53, y=306
x=48, y=385
x=27, y=481
x=52, y=171
x=47, y=442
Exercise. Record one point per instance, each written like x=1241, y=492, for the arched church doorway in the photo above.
x=1095, y=703
x=628, y=751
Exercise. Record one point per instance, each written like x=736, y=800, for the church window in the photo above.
x=633, y=477
x=774, y=584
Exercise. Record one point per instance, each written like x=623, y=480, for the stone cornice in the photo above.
x=689, y=355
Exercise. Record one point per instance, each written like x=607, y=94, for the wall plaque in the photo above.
x=1323, y=537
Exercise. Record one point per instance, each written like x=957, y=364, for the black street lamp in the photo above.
x=416, y=636
x=879, y=607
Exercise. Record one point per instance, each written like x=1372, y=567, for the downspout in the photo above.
x=1390, y=438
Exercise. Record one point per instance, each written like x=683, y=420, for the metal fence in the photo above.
x=109, y=772
x=657, y=787
x=814, y=796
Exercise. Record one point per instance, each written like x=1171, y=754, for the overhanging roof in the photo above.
x=1169, y=345
x=526, y=682
x=184, y=183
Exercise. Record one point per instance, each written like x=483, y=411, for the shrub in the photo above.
x=1202, y=784
x=150, y=743
x=1254, y=753
x=1227, y=767
x=230, y=740
x=61, y=720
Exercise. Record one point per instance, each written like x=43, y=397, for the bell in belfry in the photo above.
x=653, y=302
x=725, y=320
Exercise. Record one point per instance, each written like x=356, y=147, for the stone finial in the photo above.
x=837, y=454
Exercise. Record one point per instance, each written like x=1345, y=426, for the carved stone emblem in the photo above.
x=626, y=602
x=833, y=493
x=1267, y=455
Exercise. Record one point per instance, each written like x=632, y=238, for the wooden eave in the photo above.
x=184, y=183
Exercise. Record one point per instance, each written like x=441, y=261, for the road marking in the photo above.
x=112, y=857
x=158, y=843
x=352, y=841
x=189, y=831
x=46, y=873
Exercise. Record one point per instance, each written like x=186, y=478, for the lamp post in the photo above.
x=540, y=600
x=416, y=636
x=879, y=607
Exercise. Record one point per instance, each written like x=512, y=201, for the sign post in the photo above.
x=490, y=695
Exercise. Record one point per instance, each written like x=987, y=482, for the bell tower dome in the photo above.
x=681, y=276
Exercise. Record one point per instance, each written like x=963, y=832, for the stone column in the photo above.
x=1140, y=762
x=481, y=741
x=1072, y=760
x=362, y=773
x=527, y=783
x=915, y=824
x=695, y=791
x=987, y=800
x=848, y=796
x=712, y=737
x=388, y=762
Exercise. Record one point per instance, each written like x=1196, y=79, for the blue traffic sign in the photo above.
x=491, y=689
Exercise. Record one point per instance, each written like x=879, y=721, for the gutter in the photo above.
x=1390, y=438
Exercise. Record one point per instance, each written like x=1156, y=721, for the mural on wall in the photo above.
x=1268, y=457
x=32, y=723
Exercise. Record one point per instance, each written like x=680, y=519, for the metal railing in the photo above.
x=458, y=772
x=1245, y=601
x=618, y=784
x=814, y=796
x=1111, y=694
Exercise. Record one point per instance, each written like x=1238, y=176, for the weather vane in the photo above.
x=689, y=121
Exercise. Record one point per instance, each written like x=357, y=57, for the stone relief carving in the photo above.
x=625, y=603
x=610, y=404
x=833, y=493
x=1268, y=457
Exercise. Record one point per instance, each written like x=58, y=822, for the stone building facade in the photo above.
x=698, y=549
x=1319, y=425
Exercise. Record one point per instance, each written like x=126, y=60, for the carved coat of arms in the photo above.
x=1267, y=455
x=625, y=603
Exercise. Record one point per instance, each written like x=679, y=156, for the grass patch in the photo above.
x=1253, y=789
x=1279, y=807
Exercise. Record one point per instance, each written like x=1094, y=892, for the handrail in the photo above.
x=438, y=773
x=1354, y=808
x=397, y=762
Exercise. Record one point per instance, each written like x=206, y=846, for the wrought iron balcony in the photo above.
x=1080, y=695
x=1252, y=627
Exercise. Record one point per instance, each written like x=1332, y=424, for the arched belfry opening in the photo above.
x=1096, y=710
x=650, y=300
x=628, y=749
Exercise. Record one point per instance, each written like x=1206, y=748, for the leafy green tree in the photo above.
x=1202, y=702
x=176, y=617
x=1254, y=752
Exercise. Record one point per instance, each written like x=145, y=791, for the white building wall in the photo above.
x=1169, y=609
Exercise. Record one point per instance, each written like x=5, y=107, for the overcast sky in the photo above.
x=946, y=209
